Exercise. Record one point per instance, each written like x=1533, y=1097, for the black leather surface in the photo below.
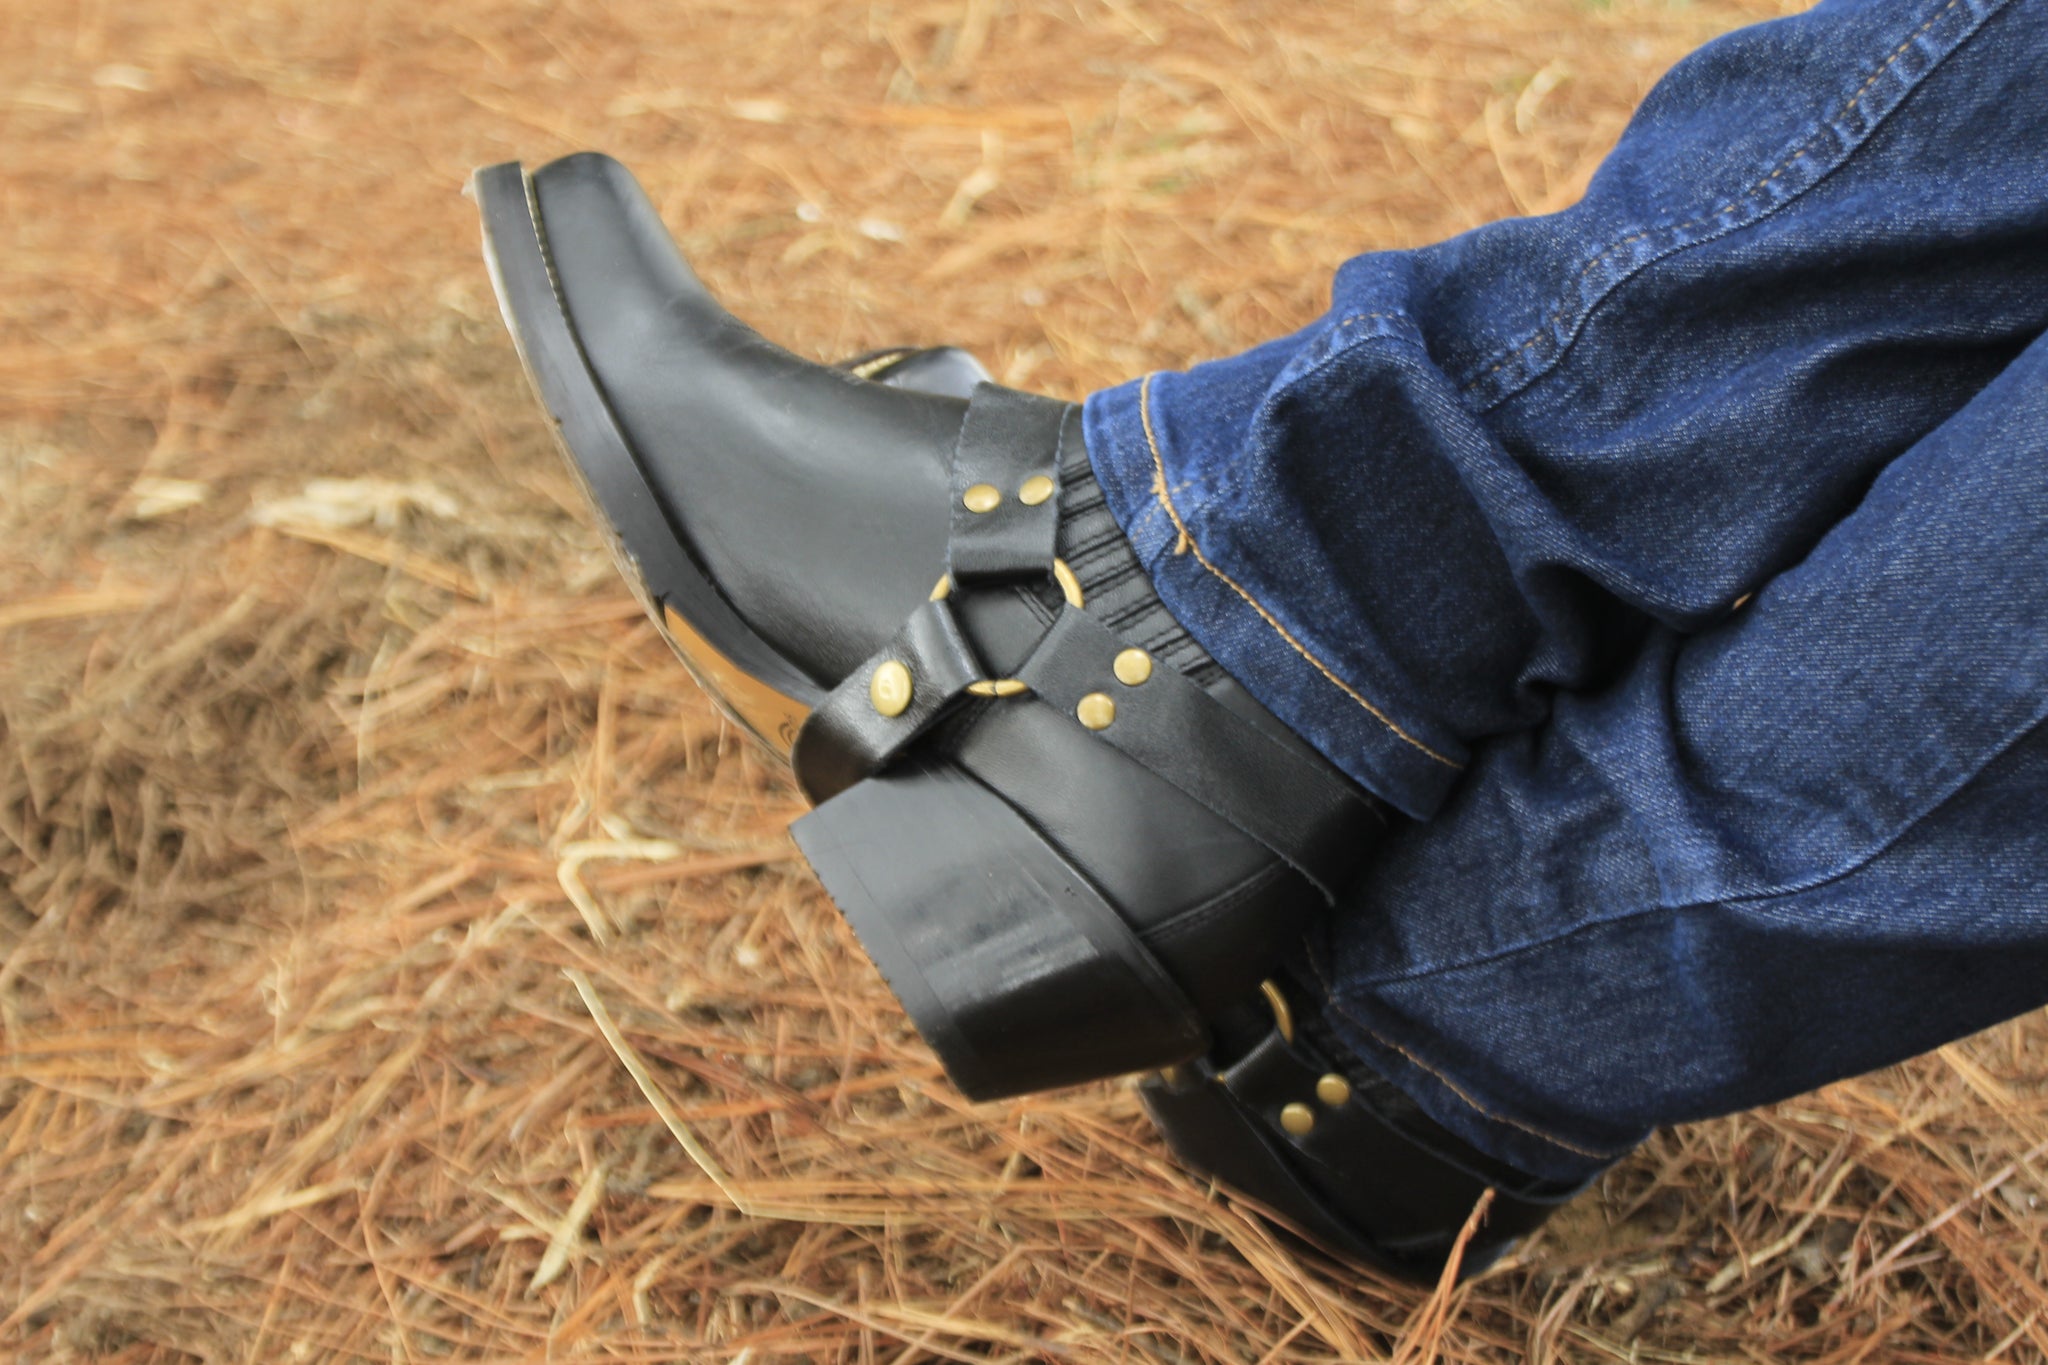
x=643, y=533
x=847, y=739
x=1212, y=1133
x=751, y=447
x=1355, y=1181
x=1008, y=438
x=1294, y=806
x=1381, y=1177
x=1154, y=850
x=1015, y=968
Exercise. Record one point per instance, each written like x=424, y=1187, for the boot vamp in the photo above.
x=817, y=502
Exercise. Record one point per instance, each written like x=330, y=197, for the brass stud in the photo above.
x=1298, y=1119
x=1334, y=1091
x=998, y=687
x=1096, y=711
x=944, y=589
x=1036, y=489
x=889, y=689
x=1132, y=667
x=982, y=497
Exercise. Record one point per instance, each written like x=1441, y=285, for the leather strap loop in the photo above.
x=1281, y=798
x=1348, y=1149
x=1006, y=506
x=852, y=735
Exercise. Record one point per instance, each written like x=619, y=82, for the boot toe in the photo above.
x=609, y=246
x=748, y=446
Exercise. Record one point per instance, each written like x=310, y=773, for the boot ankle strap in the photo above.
x=1284, y=1124
x=1005, y=522
x=1005, y=486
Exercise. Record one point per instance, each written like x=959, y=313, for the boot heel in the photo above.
x=1013, y=967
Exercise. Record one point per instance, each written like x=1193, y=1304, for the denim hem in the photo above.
x=1385, y=1042
x=1241, y=634
x=1376, y=1039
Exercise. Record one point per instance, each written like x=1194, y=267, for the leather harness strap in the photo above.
x=1006, y=506
x=1188, y=738
x=1349, y=1168
x=1005, y=520
x=855, y=733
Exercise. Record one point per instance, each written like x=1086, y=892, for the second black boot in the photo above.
x=1281, y=1111
x=1068, y=839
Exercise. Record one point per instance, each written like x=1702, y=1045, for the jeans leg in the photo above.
x=1499, y=465
x=1809, y=841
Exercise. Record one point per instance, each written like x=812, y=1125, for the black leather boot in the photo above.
x=1280, y=1111
x=1066, y=854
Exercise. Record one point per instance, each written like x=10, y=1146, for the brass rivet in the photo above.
x=1036, y=489
x=983, y=497
x=1298, y=1119
x=998, y=687
x=1096, y=710
x=944, y=589
x=889, y=689
x=1132, y=667
x=1334, y=1091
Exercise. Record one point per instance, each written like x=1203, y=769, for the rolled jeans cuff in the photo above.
x=1253, y=632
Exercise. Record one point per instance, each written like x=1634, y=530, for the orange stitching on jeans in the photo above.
x=1787, y=164
x=1187, y=543
x=1897, y=53
x=1484, y=1112
x=1331, y=1000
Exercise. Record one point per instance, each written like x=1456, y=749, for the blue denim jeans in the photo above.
x=1678, y=564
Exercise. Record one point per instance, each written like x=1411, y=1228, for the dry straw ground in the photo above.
x=355, y=831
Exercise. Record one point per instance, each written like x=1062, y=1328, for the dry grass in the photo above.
x=315, y=797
